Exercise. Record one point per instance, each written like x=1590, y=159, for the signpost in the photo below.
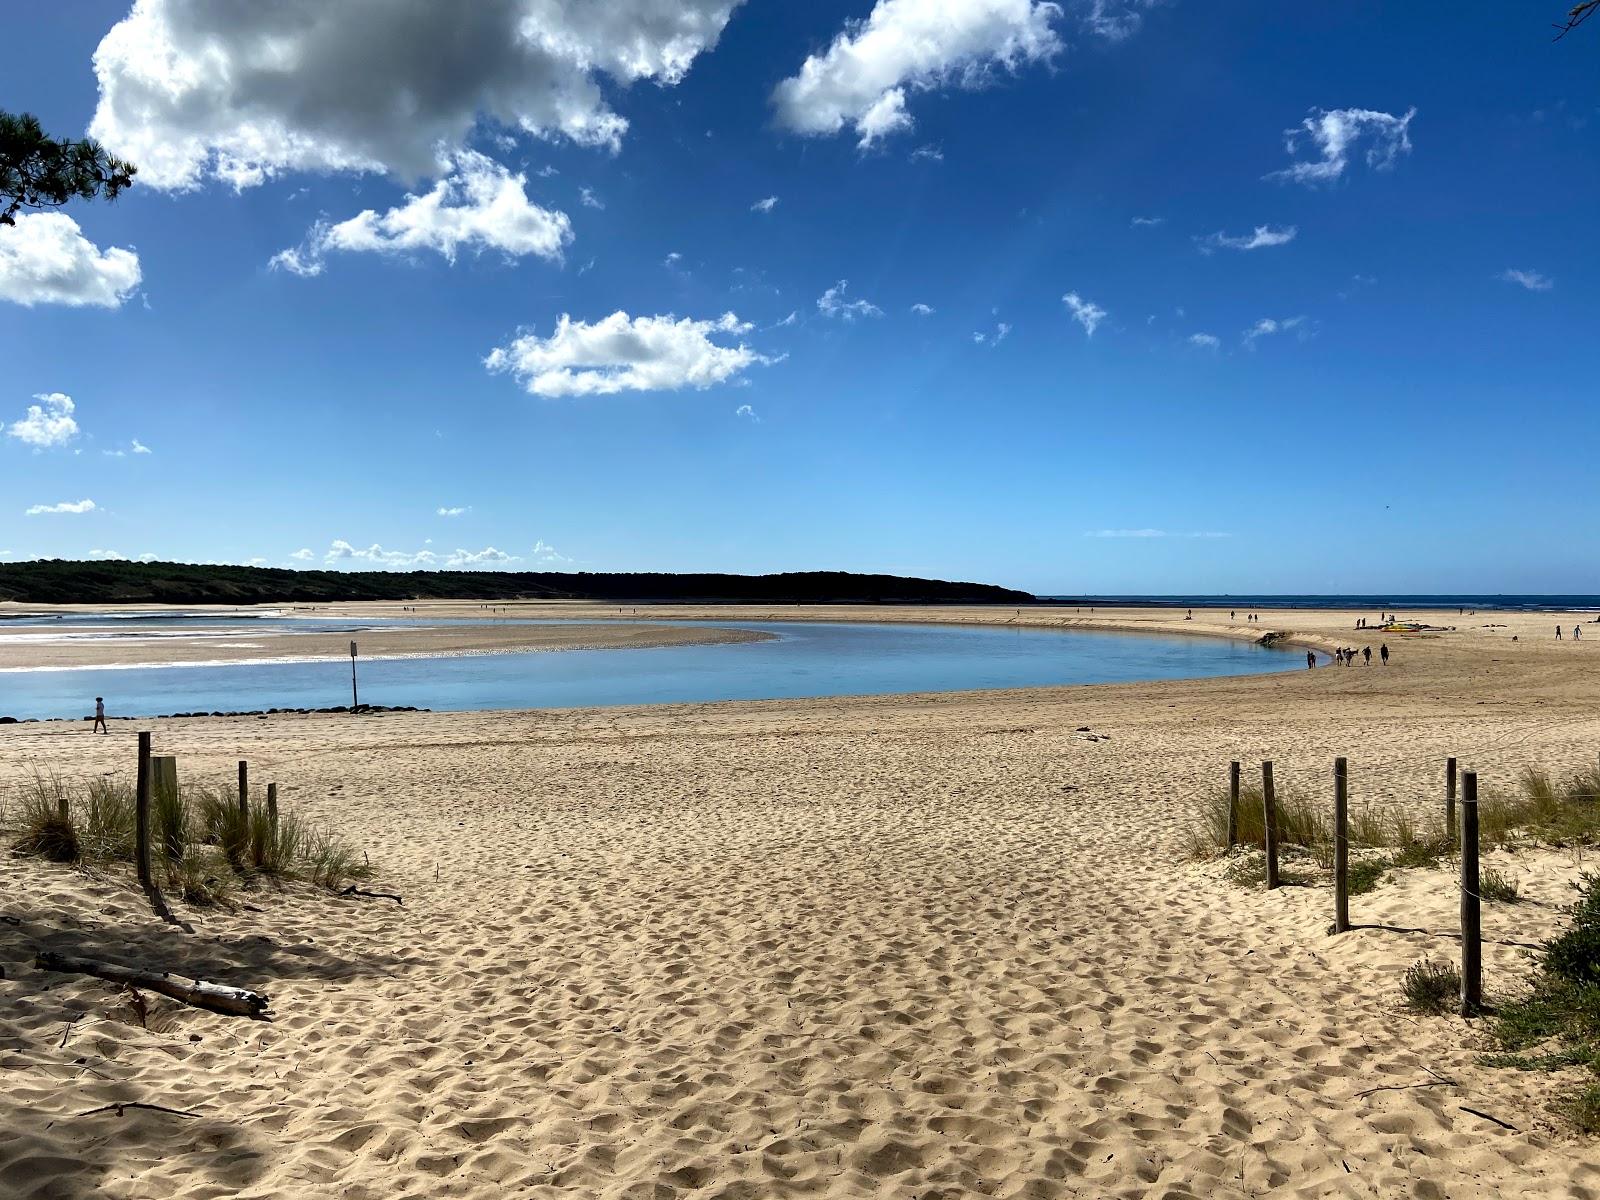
x=355, y=701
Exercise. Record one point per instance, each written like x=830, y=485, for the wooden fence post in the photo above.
x=244, y=792
x=272, y=807
x=62, y=807
x=1471, y=917
x=1269, y=818
x=141, y=815
x=164, y=774
x=1450, y=798
x=1341, y=845
x=1233, y=804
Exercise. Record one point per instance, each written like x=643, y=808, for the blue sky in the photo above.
x=1365, y=363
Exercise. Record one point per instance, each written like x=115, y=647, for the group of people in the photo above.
x=1345, y=655
x=1577, y=633
x=1234, y=616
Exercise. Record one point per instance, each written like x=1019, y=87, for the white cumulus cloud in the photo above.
x=477, y=204
x=45, y=259
x=1534, y=281
x=832, y=303
x=1333, y=133
x=1208, y=341
x=48, y=423
x=66, y=506
x=922, y=310
x=863, y=77
x=375, y=556
x=1261, y=236
x=1085, y=313
x=621, y=353
x=241, y=91
x=304, y=554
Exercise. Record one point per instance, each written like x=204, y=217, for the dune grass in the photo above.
x=201, y=843
x=1431, y=987
x=1541, y=810
x=1559, y=1015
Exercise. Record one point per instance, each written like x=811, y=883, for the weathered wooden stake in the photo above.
x=141, y=815
x=164, y=775
x=1341, y=845
x=1471, y=923
x=1450, y=797
x=272, y=807
x=1233, y=804
x=1269, y=819
x=62, y=808
x=244, y=791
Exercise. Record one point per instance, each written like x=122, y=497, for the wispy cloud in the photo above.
x=765, y=205
x=1001, y=331
x=1267, y=326
x=1209, y=341
x=1260, y=237
x=1137, y=221
x=342, y=552
x=1333, y=133
x=1532, y=280
x=833, y=304
x=453, y=512
x=66, y=506
x=922, y=310
x=588, y=199
x=1085, y=313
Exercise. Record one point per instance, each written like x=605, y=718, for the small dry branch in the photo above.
x=214, y=997
x=353, y=890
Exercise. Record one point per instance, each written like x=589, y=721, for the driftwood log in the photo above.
x=215, y=997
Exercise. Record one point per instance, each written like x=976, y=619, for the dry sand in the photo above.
x=921, y=946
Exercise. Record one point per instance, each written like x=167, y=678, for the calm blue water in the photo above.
x=804, y=660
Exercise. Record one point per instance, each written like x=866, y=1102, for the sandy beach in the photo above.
x=87, y=646
x=905, y=946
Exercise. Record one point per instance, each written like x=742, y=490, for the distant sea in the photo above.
x=1377, y=603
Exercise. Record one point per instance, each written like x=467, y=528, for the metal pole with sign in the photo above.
x=355, y=701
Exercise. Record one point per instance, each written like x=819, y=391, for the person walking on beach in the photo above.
x=99, y=715
x=1311, y=660
x=1577, y=634
x=1383, y=653
x=1366, y=654
x=1558, y=633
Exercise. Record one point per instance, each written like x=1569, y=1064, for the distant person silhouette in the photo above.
x=1311, y=660
x=1366, y=653
x=1577, y=633
x=1558, y=633
x=1383, y=653
x=99, y=716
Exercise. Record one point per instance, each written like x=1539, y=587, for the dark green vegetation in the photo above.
x=57, y=581
x=39, y=171
x=201, y=844
x=1557, y=1023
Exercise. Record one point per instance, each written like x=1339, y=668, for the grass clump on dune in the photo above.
x=202, y=844
x=45, y=823
x=1431, y=987
x=1556, y=812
